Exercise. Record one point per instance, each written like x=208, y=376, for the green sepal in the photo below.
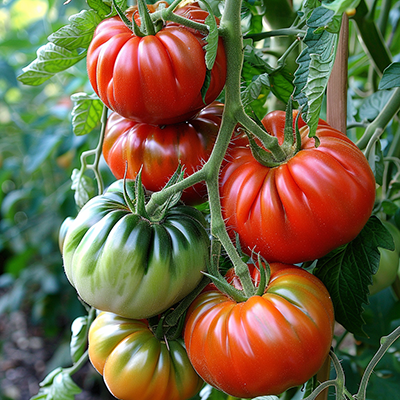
x=226, y=288
x=140, y=204
x=127, y=198
x=288, y=130
x=261, y=155
x=145, y=18
x=121, y=14
x=159, y=212
x=265, y=275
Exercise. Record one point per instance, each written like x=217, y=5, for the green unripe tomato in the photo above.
x=122, y=262
x=389, y=263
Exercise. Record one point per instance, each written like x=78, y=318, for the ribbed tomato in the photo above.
x=307, y=206
x=158, y=78
x=136, y=365
x=158, y=150
x=136, y=267
x=266, y=344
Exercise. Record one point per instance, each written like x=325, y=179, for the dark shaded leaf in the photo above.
x=391, y=77
x=347, y=272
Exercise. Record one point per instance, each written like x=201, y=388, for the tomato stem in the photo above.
x=167, y=14
x=391, y=108
x=386, y=342
x=276, y=33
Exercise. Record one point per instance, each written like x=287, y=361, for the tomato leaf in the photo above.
x=315, y=64
x=86, y=114
x=391, y=77
x=79, y=33
x=102, y=9
x=254, y=89
x=212, y=38
x=372, y=105
x=279, y=80
x=376, y=162
x=60, y=386
x=340, y=6
x=347, y=273
x=78, y=343
x=83, y=186
x=50, y=60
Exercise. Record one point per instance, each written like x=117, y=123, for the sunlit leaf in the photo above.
x=78, y=341
x=50, y=60
x=79, y=33
x=340, y=6
x=62, y=387
x=315, y=65
x=83, y=186
x=86, y=114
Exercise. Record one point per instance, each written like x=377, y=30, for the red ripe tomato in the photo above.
x=266, y=344
x=158, y=78
x=158, y=150
x=312, y=203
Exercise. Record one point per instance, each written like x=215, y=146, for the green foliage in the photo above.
x=346, y=272
x=47, y=126
x=58, y=386
x=315, y=64
x=86, y=113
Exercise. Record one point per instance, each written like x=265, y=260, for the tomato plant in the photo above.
x=306, y=206
x=266, y=344
x=156, y=79
x=300, y=191
x=157, y=151
x=120, y=261
x=135, y=364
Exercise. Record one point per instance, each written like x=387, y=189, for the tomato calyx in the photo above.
x=146, y=28
x=169, y=325
x=234, y=287
x=291, y=142
x=135, y=197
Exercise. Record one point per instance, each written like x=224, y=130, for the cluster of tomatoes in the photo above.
x=134, y=265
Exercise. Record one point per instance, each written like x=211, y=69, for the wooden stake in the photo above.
x=337, y=85
x=336, y=115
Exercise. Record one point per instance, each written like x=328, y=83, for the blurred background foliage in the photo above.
x=38, y=152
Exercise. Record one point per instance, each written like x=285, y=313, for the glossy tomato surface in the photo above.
x=136, y=365
x=158, y=78
x=121, y=262
x=312, y=203
x=266, y=344
x=158, y=150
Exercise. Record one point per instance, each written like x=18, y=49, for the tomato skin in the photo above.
x=157, y=151
x=155, y=79
x=266, y=344
x=389, y=263
x=121, y=262
x=136, y=365
x=299, y=211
